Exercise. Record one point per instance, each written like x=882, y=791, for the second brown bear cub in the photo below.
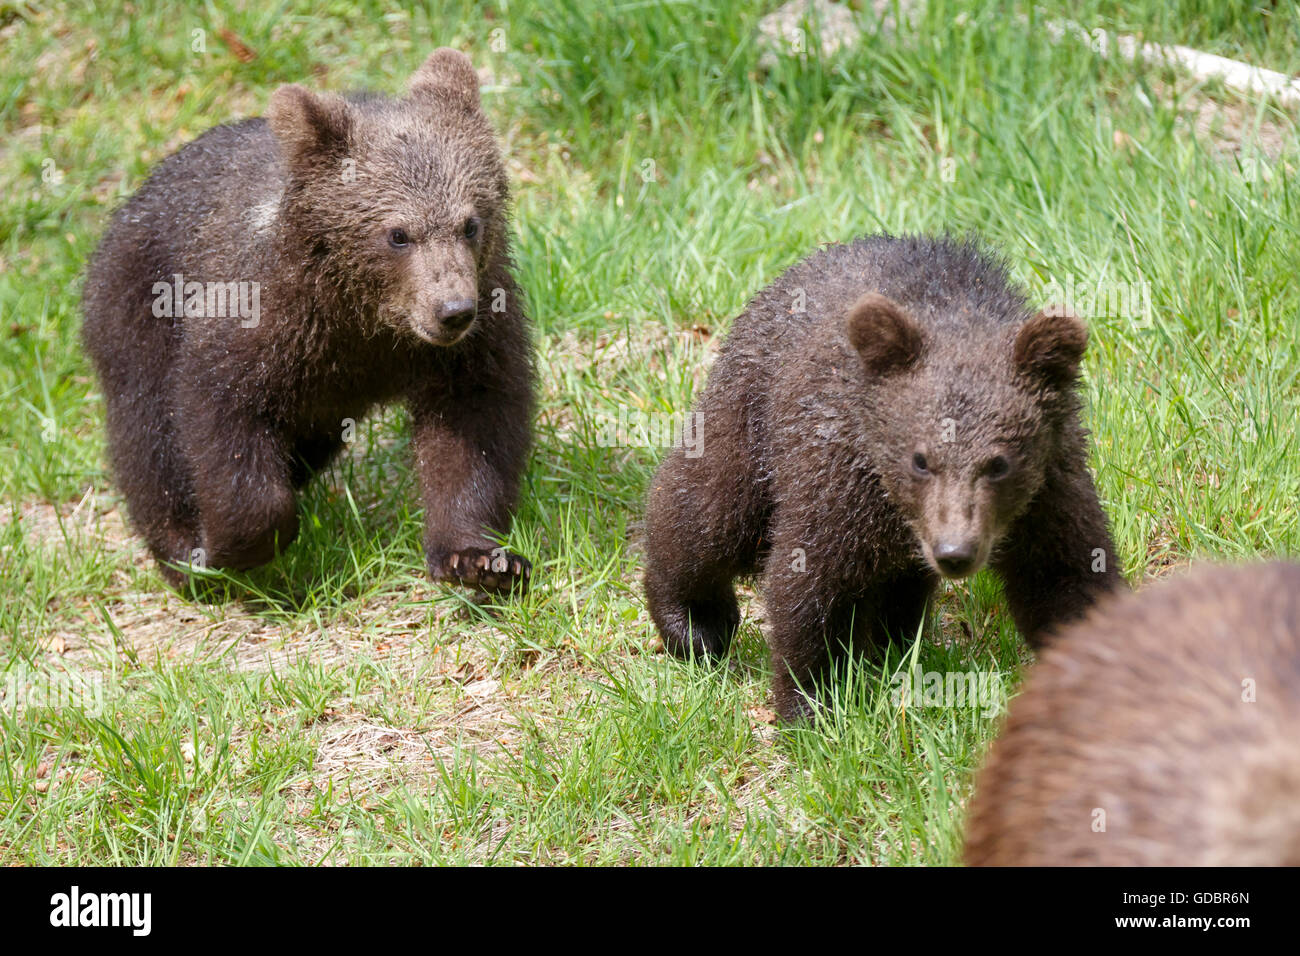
x=1159, y=731
x=277, y=278
x=887, y=412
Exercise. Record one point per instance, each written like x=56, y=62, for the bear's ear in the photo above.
x=887, y=338
x=449, y=73
x=308, y=125
x=1050, y=346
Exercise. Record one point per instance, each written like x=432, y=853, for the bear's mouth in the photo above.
x=443, y=335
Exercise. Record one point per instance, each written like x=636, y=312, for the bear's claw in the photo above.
x=495, y=570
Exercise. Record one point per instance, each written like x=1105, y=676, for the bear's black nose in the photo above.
x=955, y=558
x=457, y=313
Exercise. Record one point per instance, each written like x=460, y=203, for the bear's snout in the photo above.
x=956, y=558
x=439, y=289
x=455, y=314
x=443, y=321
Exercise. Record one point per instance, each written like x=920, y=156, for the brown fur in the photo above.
x=213, y=425
x=812, y=423
x=1138, y=711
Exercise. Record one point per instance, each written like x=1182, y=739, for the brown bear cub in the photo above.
x=278, y=277
x=886, y=413
x=1159, y=731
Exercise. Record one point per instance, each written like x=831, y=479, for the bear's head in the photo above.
x=965, y=424
x=399, y=202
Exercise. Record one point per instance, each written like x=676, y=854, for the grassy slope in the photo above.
x=334, y=706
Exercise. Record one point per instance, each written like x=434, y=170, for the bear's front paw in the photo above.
x=488, y=570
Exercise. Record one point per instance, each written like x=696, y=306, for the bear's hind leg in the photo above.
x=697, y=620
x=247, y=521
x=150, y=470
x=704, y=522
x=247, y=508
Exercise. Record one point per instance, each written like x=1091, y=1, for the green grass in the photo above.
x=335, y=706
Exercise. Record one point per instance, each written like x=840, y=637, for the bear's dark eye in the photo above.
x=997, y=468
x=920, y=465
x=398, y=239
x=471, y=228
